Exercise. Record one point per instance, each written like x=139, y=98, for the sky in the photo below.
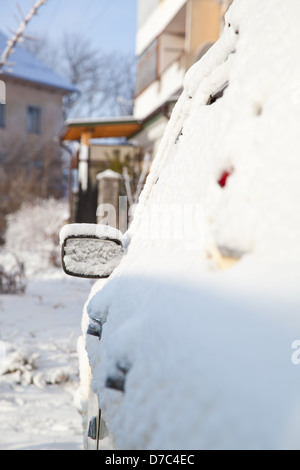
x=109, y=24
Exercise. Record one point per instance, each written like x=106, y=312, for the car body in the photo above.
x=199, y=322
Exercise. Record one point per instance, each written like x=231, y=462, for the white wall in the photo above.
x=160, y=91
x=145, y=8
x=157, y=22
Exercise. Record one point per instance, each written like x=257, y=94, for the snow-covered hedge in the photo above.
x=33, y=231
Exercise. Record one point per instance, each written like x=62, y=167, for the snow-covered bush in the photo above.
x=12, y=274
x=32, y=234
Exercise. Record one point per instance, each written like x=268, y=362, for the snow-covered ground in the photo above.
x=39, y=372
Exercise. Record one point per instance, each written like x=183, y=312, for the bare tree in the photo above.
x=20, y=33
x=105, y=80
x=42, y=48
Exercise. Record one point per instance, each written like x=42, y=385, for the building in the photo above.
x=33, y=113
x=103, y=144
x=171, y=36
x=30, y=119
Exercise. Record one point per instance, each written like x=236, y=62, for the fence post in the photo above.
x=108, y=198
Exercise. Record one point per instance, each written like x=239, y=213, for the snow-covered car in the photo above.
x=199, y=323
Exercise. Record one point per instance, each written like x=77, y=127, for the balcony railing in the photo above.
x=162, y=53
x=147, y=71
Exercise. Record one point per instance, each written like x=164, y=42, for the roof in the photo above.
x=101, y=127
x=111, y=127
x=27, y=67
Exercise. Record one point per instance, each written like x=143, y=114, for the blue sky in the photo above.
x=109, y=24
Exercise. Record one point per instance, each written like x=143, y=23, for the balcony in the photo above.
x=168, y=45
x=161, y=89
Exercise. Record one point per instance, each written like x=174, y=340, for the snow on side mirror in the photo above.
x=90, y=251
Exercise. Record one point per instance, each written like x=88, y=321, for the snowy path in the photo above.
x=39, y=370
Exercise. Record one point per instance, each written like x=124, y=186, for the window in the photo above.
x=34, y=115
x=147, y=67
x=2, y=115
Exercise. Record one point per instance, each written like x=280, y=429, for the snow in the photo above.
x=210, y=350
x=108, y=174
x=33, y=234
x=91, y=250
x=91, y=257
x=40, y=336
x=39, y=369
x=27, y=67
x=89, y=230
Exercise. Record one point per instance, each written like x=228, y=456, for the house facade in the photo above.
x=30, y=121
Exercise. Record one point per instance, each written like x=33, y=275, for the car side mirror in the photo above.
x=90, y=251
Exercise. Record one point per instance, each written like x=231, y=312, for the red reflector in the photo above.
x=223, y=180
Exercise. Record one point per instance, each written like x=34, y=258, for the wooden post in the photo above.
x=83, y=165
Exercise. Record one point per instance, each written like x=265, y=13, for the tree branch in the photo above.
x=19, y=35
